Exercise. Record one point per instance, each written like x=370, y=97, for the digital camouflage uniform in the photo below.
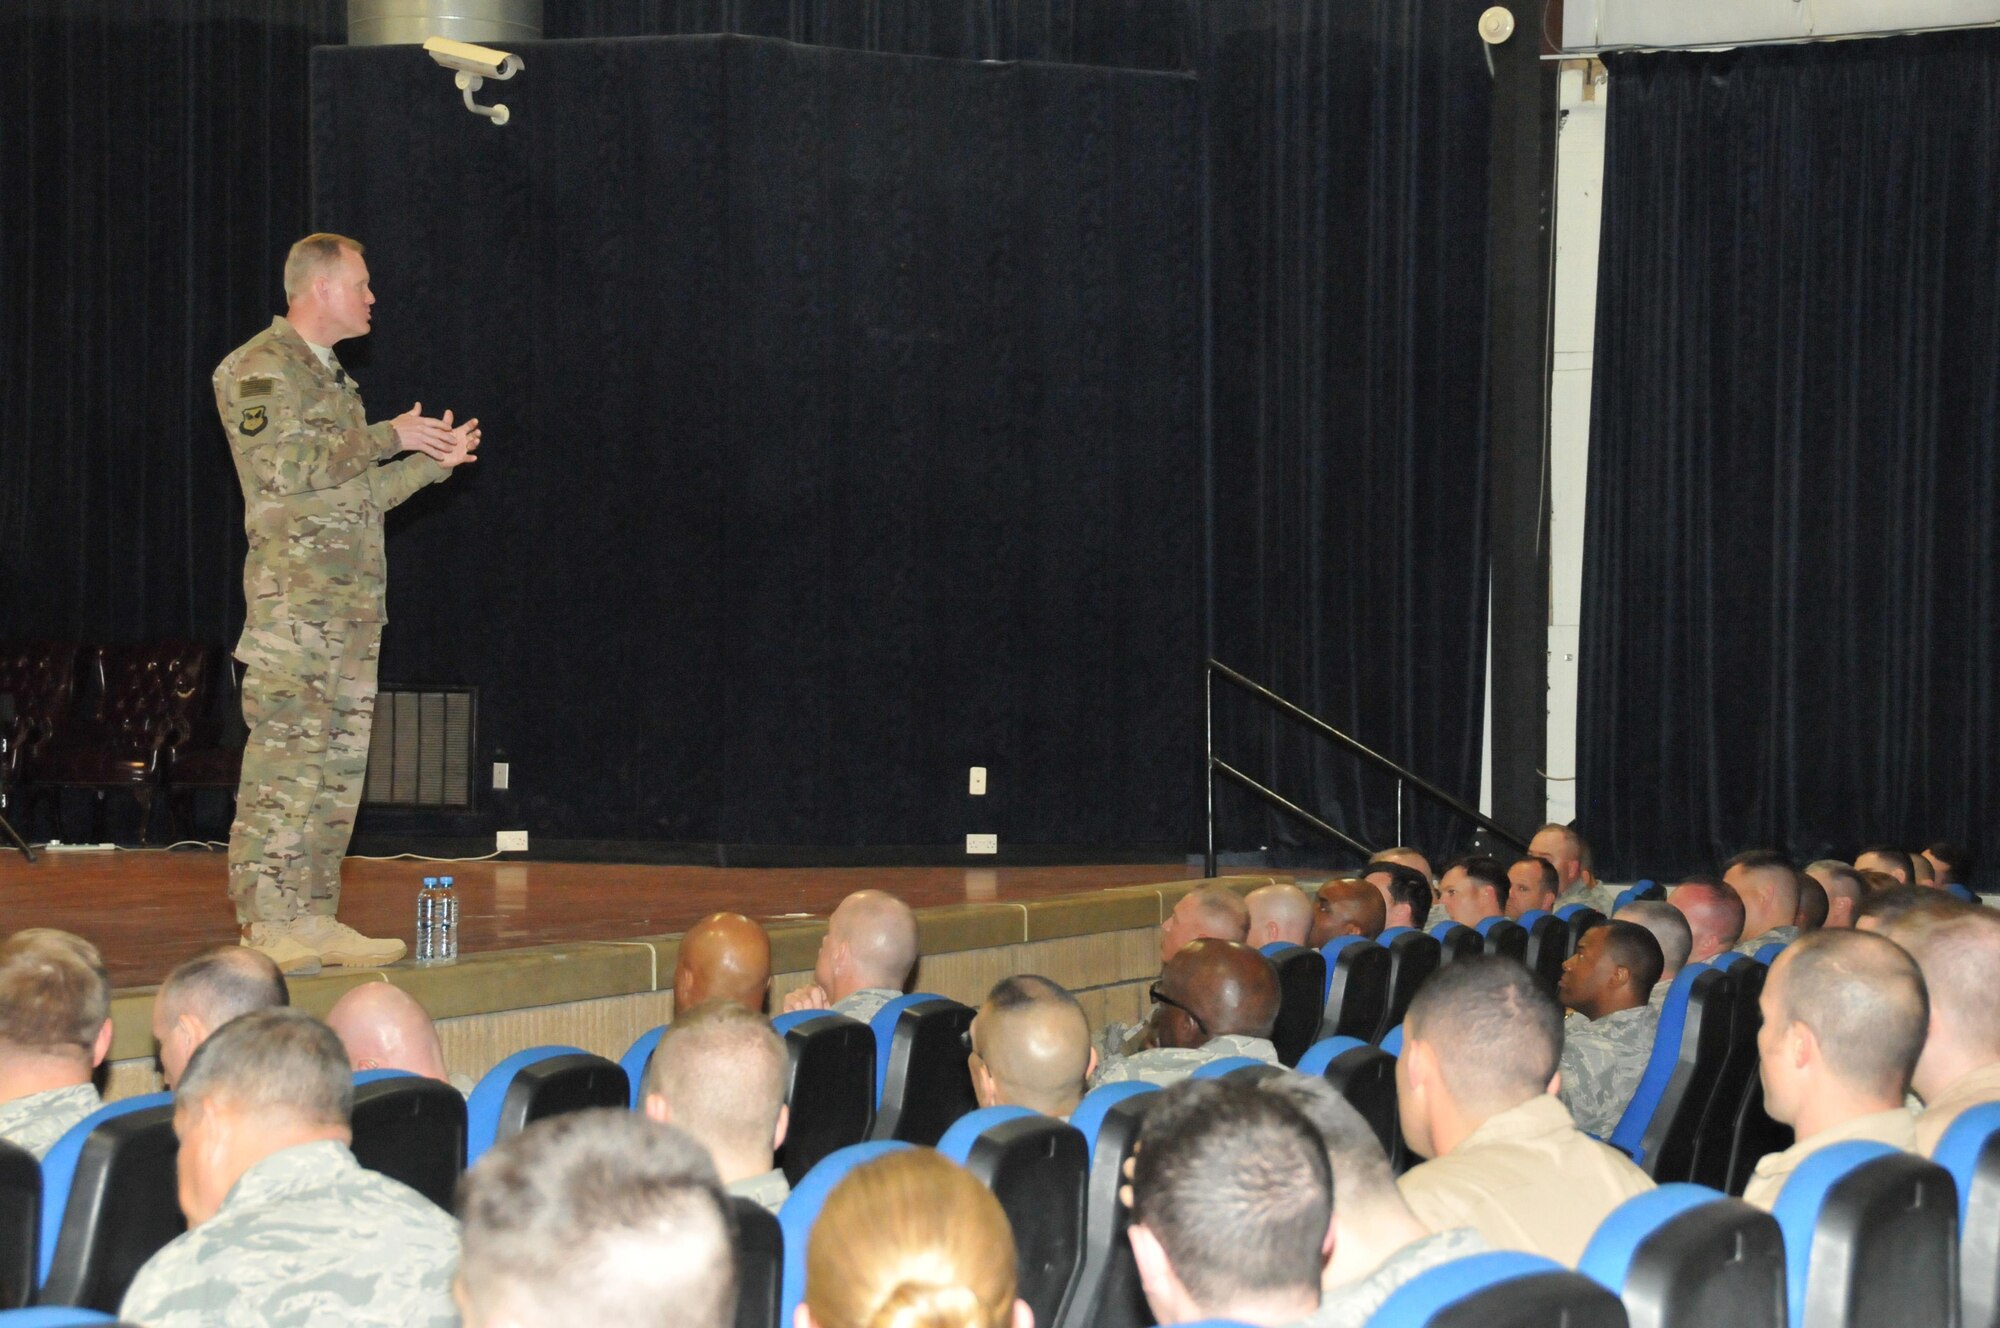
x=36, y=1121
x=1750, y=945
x=1170, y=1065
x=313, y=499
x=306, y=1239
x=769, y=1188
x=864, y=1004
x=1602, y=1063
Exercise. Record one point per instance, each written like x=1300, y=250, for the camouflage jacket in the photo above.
x=306, y=1239
x=769, y=1188
x=1602, y=1063
x=313, y=495
x=1170, y=1065
x=865, y=1004
x=36, y=1121
x=1750, y=945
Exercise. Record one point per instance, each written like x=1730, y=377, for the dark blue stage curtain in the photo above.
x=1792, y=595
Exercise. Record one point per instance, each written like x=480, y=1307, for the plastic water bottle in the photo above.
x=437, y=922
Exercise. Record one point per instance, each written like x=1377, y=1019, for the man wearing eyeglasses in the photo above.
x=1216, y=999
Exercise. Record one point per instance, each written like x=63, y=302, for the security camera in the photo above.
x=475, y=64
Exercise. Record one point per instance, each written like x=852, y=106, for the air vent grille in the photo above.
x=420, y=754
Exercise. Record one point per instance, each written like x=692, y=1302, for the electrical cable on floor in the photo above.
x=418, y=857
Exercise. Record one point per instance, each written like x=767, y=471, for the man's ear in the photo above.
x=1326, y=1246
x=1801, y=1044
x=1024, y=1314
x=1091, y=1068
x=102, y=1046
x=660, y=1113
x=1156, y=1275
x=784, y=1124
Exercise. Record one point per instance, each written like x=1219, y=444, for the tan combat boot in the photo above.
x=274, y=940
x=343, y=947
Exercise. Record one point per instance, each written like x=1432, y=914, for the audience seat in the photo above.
x=1871, y=1239
x=1504, y=936
x=1548, y=945
x=1357, y=987
x=1457, y=942
x=1107, y=1292
x=1715, y=1138
x=1633, y=894
x=142, y=711
x=801, y=1209
x=760, y=1263
x=1753, y=1135
x=1366, y=1077
x=411, y=1129
x=1230, y=1065
x=20, y=1225
x=1413, y=956
x=829, y=1086
x=1685, y=1256
x=535, y=1084
x=1038, y=1167
x=637, y=1057
x=1663, y=1120
x=1500, y=1290
x=1768, y=952
x=54, y=1316
x=1961, y=891
x=1970, y=1152
x=1579, y=918
x=922, y=1081
x=1301, y=1000
x=1392, y=1041
x=110, y=1200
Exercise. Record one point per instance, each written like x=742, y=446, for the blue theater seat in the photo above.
x=1457, y=942
x=1716, y=1134
x=1357, y=987
x=1500, y=1290
x=760, y=1263
x=1685, y=1256
x=1632, y=894
x=1768, y=952
x=801, y=1209
x=20, y=1225
x=1871, y=1239
x=110, y=1200
x=1366, y=1077
x=52, y=1316
x=411, y=1129
x=637, y=1057
x=1301, y=998
x=1579, y=918
x=1505, y=937
x=1970, y=1152
x=922, y=1081
x=1038, y=1167
x=1548, y=945
x=1958, y=890
x=1662, y=1122
x=829, y=1086
x=1228, y=1065
x=1413, y=957
x=1107, y=1292
x=1392, y=1041
x=535, y=1084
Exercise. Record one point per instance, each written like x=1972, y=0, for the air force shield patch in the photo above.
x=254, y=421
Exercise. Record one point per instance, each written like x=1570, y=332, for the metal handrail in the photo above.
x=1216, y=766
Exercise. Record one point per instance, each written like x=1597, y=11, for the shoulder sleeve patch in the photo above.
x=260, y=386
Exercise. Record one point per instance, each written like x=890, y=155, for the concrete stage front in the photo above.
x=584, y=954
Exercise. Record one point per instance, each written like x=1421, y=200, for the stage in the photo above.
x=583, y=953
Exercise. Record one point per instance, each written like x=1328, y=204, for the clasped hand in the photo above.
x=438, y=439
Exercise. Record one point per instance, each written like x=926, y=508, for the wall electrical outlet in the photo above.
x=511, y=841
x=982, y=843
x=975, y=784
x=500, y=773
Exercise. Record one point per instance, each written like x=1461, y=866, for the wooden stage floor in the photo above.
x=150, y=909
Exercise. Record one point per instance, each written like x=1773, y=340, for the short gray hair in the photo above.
x=598, y=1217
x=218, y=985
x=279, y=1062
x=313, y=255
x=1669, y=927
x=722, y=1071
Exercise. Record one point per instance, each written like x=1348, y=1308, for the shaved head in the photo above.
x=1812, y=905
x=878, y=934
x=1496, y=1032
x=725, y=956
x=1205, y=911
x=1863, y=999
x=719, y=1073
x=1714, y=914
x=1670, y=929
x=384, y=1028
x=1404, y=857
x=1958, y=954
x=1226, y=985
x=1565, y=850
x=1885, y=905
x=1768, y=885
x=206, y=992
x=1033, y=1042
x=1844, y=890
x=1883, y=858
x=1347, y=908
x=1279, y=912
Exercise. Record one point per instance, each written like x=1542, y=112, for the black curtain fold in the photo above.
x=1792, y=600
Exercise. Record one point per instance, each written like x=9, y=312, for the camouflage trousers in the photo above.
x=309, y=701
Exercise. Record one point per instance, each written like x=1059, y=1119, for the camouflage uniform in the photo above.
x=864, y=1004
x=1750, y=945
x=36, y=1121
x=313, y=499
x=1170, y=1065
x=769, y=1189
x=306, y=1239
x=1602, y=1063
x=1352, y=1305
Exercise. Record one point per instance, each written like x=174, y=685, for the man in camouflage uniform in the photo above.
x=1215, y=999
x=1608, y=1037
x=865, y=958
x=313, y=500
x=285, y=1227
x=55, y=1028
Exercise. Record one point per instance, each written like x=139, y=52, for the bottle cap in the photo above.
x=430, y=882
x=445, y=881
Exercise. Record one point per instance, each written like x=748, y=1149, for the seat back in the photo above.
x=1366, y=1077
x=1970, y=1152
x=411, y=1129
x=1871, y=1239
x=150, y=690
x=1413, y=957
x=53, y=1316
x=925, y=1083
x=110, y=1200
x=1107, y=1293
x=1685, y=1256
x=1457, y=941
x=1224, y=1066
x=1504, y=936
x=1357, y=987
x=1038, y=1167
x=760, y=1263
x=1716, y=1135
x=1661, y=1122
x=829, y=1086
x=1500, y=1290
x=637, y=1057
x=41, y=677
x=1767, y=953
x=1754, y=1135
x=1962, y=892
x=535, y=1084
x=801, y=1209
x=1548, y=945
x=20, y=1225
x=1579, y=918
x=1301, y=998
x=1632, y=894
